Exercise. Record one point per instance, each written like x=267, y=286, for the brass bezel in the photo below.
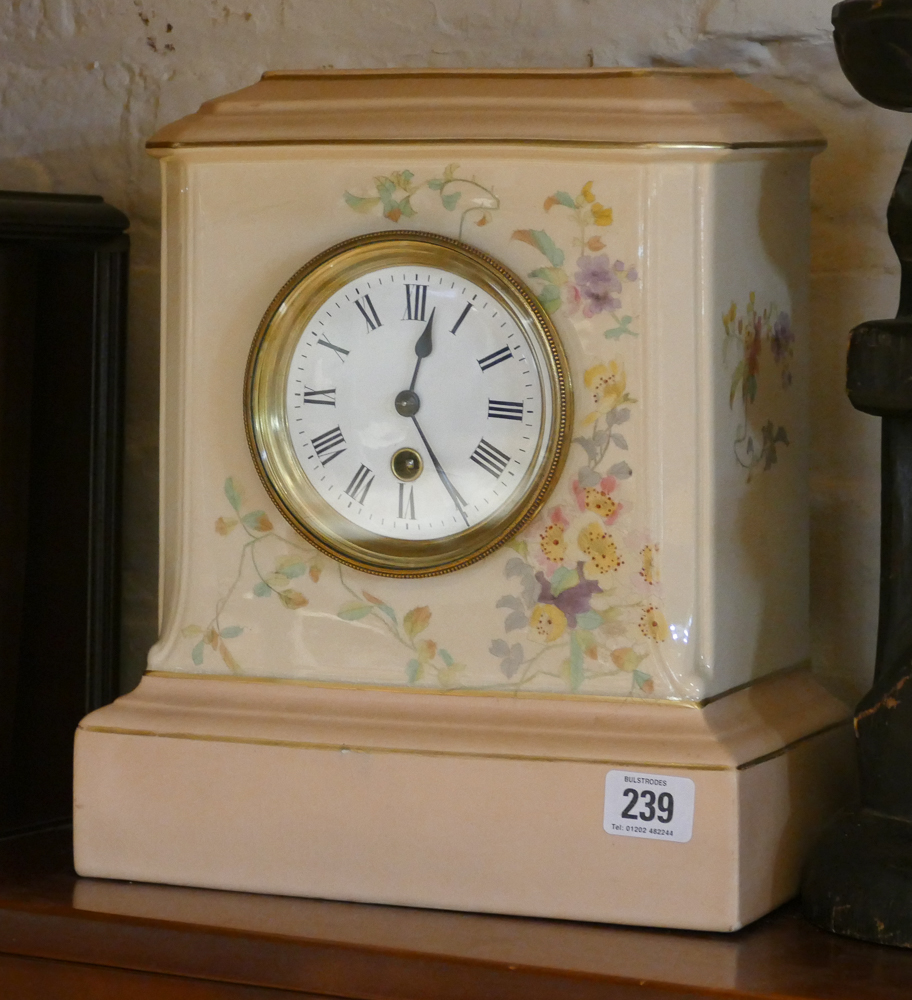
x=268, y=434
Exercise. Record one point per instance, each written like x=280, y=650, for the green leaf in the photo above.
x=750, y=387
x=620, y=470
x=562, y=198
x=196, y=653
x=449, y=171
x=445, y=656
x=189, y=631
x=588, y=620
x=293, y=599
x=586, y=639
x=553, y=275
x=416, y=620
x=642, y=679
x=231, y=632
x=261, y=589
x=233, y=494
x=563, y=579
x=577, y=672
x=520, y=546
x=257, y=520
x=548, y=247
x=385, y=187
x=362, y=205
x=405, y=207
x=615, y=333
x=354, y=610
x=736, y=381
x=413, y=671
x=550, y=298
x=436, y=184
x=291, y=570
x=449, y=200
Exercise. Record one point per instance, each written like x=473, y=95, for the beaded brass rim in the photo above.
x=269, y=435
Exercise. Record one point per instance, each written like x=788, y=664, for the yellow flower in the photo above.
x=602, y=216
x=600, y=547
x=653, y=624
x=552, y=542
x=608, y=384
x=599, y=503
x=548, y=621
x=650, y=571
x=587, y=192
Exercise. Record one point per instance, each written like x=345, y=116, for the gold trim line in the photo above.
x=465, y=754
x=571, y=143
x=480, y=693
x=433, y=692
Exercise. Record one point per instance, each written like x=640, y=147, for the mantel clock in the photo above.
x=484, y=569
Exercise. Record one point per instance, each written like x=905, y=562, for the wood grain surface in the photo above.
x=62, y=936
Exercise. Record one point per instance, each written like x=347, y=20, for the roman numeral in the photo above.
x=313, y=396
x=407, y=505
x=495, y=358
x=504, y=410
x=360, y=484
x=368, y=312
x=491, y=459
x=462, y=316
x=415, y=301
x=340, y=351
x=324, y=443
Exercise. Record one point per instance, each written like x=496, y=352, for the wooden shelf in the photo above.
x=61, y=935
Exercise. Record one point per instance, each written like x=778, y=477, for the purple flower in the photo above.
x=782, y=338
x=574, y=600
x=598, y=284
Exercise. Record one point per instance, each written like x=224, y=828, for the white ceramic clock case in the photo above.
x=310, y=728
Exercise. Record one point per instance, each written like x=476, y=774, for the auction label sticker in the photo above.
x=654, y=806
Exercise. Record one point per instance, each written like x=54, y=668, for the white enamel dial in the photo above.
x=407, y=403
x=475, y=414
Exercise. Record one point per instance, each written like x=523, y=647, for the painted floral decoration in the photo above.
x=396, y=193
x=299, y=566
x=584, y=599
x=593, y=284
x=748, y=334
x=584, y=612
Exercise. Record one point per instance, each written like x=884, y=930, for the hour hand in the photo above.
x=423, y=347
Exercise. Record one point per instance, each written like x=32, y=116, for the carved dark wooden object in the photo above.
x=63, y=273
x=859, y=879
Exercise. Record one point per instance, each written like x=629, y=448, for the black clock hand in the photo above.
x=450, y=488
x=423, y=348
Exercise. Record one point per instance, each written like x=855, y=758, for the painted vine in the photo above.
x=287, y=577
x=473, y=200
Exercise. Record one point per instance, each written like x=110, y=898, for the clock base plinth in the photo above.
x=491, y=804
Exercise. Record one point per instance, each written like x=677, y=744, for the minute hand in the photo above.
x=450, y=488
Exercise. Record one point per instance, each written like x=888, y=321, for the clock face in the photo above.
x=407, y=403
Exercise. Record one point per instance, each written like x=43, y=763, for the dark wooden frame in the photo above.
x=63, y=297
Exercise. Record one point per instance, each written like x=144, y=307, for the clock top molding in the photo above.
x=598, y=107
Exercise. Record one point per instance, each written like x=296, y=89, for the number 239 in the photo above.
x=661, y=809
